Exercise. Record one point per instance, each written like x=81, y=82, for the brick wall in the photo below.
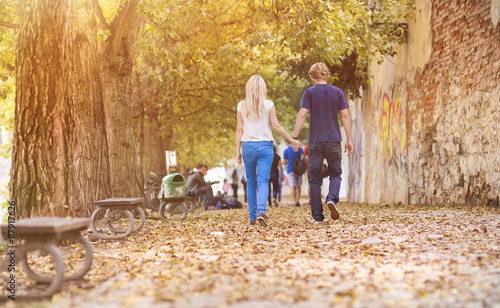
x=454, y=109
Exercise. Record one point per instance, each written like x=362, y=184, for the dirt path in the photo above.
x=373, y=256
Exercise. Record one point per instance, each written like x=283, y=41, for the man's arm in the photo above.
x=346, y=120
x=301, y=118
x=201, y=180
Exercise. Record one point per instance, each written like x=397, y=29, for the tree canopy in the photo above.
x=7, y=70
x=194, y=57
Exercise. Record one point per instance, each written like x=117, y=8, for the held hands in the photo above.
x=296, y=145
x=348, y=147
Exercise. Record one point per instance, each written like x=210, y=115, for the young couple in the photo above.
x=254, y=141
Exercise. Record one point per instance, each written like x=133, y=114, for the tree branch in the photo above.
x=98, y=11
x=8, y=66
x=8, y=25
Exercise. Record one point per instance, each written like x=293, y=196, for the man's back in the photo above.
x=194, y=180
x=324, y=101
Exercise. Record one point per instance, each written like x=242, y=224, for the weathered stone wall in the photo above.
x=454, y=116
x=427, y=128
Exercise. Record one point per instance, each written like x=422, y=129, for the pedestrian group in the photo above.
x=254, y=144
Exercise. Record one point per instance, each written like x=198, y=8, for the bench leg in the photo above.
x=137, y=228
x=88, y=256
x=173, y=211
x=143, y=218
x=108, y=217
x=86, y=266
x=55, y=281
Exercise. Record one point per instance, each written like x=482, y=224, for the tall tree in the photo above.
x=116, y=60
x=59, y=157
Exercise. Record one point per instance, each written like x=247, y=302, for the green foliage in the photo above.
x=7, y=73
x=3, y=211
x=196, y=58
x=346, y=35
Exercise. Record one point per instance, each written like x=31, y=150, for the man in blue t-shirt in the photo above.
x=324, y=102
x=294, y=180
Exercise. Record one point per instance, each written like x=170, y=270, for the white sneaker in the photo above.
x=334, y=213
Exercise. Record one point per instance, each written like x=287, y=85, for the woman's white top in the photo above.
x=260, y=130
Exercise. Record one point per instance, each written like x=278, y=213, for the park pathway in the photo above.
x=374, y=256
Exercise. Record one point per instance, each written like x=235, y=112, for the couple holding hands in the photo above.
x=254, y=141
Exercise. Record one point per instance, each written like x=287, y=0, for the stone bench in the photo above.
x=173, y=208
x=114, y=210
x=44, y=234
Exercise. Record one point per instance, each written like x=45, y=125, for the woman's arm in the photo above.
x=239, y=133
x=280, y=130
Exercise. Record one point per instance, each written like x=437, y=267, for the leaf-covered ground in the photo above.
x=373, y=256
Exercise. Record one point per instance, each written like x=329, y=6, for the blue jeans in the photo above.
x=333, y=153
x=258, y=158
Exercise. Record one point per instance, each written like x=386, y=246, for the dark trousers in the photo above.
x=235, y=190
x=206, y=192
x=273, y=179
x=333, y=153
x=245, y=189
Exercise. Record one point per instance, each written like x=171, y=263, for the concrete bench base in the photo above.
x=113, y=210
x=44, y=234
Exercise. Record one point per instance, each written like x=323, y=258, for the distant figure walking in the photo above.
x=235, y=184
x=254, y=138
x=244, y=182
x=324, y=102
x=275, y=178
x=294, y=180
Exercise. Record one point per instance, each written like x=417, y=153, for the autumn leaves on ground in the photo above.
x=411, y=256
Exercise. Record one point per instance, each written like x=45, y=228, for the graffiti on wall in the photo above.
x=392, y=124
x=355, y=159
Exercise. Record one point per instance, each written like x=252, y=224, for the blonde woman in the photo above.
x=254, y=138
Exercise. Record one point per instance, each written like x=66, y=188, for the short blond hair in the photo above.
x=319, y=71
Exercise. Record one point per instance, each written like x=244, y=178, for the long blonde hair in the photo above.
x=256, y=92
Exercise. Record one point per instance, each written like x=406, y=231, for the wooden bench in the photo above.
x=114, y=210
x=44, y=234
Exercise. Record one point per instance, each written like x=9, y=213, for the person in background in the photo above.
x=294, y=180
x=306, y=153
x=280, y=184
x=274, y=178
x=244, y=182
x=324, y=137
x=225, y=186
x=254, y=145
x=196, y=184
x=235, y=185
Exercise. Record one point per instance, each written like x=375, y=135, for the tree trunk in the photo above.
x=117, y=64
x=59, y=156
x=155, y=146
x=138, y=98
